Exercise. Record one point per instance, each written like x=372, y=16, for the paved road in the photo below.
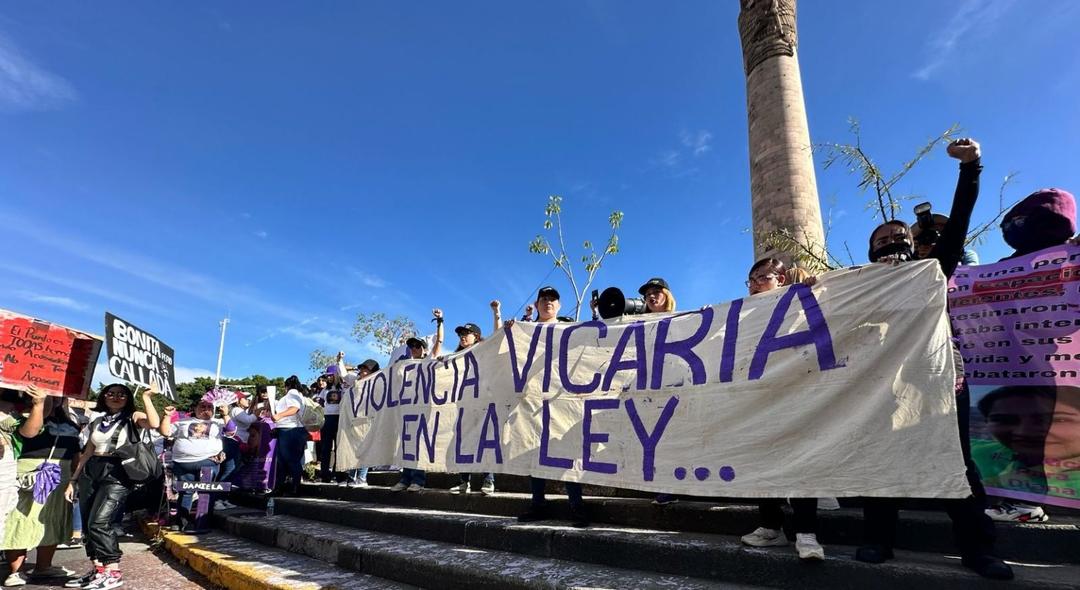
x=143, y=569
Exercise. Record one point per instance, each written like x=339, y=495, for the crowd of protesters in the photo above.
x=63, y=483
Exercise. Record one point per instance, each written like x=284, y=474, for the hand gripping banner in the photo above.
x=843, y=389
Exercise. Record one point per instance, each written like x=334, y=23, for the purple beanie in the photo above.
x=1057, y=201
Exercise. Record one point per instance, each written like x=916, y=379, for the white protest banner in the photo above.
x=139, y=357
x=845, y=389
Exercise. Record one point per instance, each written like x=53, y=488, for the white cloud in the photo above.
x=183, y=374
x=53, y=300
x=174, y=278
x=261, y=234
x=367, y=279
x=972, y=21
x=67, y=283
x=698, y=142
x=25, y=86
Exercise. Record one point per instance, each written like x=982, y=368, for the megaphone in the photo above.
x=612, y=304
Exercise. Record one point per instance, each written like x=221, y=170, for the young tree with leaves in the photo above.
x=590, y=260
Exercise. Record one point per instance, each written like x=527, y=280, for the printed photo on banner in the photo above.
x=1019, y=335
x=56, y=359
x=139, y=357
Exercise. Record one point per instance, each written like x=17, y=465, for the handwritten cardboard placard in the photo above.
x=139, y=357
x=57, y=359
x=843, y=389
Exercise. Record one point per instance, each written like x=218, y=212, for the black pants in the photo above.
x=973, y=530
x=328, y=448
x=573, y=492
x=103, y=487
x=804, y=511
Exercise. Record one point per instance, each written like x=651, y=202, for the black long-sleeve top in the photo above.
x=950, y=246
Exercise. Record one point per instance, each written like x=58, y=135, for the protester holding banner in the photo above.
x=9, y=488
x=44, y=441
x=470, y=335
x=356, y=477
x=892, y=242
x=413, y=480
x=291, y=435
x=103, y=485
x=764, y=276
x=330, y=398
x=659, y=299
x=197, y=445
x=547, y=306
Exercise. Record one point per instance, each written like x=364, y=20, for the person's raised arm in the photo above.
x=165, y=428
x=148, y=418
x=496, y=313
x=950, y=247
x=33, y=424
x=437, y=317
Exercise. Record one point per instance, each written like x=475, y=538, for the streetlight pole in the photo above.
x=221, y=350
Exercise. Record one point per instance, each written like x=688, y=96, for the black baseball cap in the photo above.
x=468, y=328
x=370, y=364
x=547, y=291
x=653, y=282
x=416, y=342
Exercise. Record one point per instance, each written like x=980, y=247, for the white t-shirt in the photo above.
x=243, y=420
x=292, y=399
x=196, y=439
x=331, y=401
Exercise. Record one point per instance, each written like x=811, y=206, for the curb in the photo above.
x=214, y=566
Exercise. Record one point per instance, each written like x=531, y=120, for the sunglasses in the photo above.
x=116, y=394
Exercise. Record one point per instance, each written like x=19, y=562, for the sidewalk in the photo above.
x=143, y=569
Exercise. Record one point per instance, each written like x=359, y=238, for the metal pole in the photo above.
x=221, y=349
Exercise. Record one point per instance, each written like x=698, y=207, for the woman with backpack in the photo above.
x=103, y=485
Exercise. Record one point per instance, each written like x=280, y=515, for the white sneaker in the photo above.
x=223, y=505
x=358, y=484
x=488, y=488
x=461, y=488
x=1017, y=512
x=14, y=579
x=398, y=487
x=808, y=548
x=415, y=487
x=763, y=537
x=828, y=504
x=342, y=484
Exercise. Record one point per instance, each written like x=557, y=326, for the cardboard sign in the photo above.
x=139, y=357
x=841, y=389
x=56, y=359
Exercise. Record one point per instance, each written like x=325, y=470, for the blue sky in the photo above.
x=292, y=166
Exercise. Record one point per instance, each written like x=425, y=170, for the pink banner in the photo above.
x=1017, y=324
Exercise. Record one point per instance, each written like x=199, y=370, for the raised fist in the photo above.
x=436, y=313
x=964, y=149
x=495, y=304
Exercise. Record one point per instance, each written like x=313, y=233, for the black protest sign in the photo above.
x=139, y=357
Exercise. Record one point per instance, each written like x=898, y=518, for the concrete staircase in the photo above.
x=434, y=539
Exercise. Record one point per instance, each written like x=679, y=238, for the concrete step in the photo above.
x=701, y=556
x=240, y=564
x=1051, y=542
x=445, y=566
x=504, y=483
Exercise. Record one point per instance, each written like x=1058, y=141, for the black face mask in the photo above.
x=900, y=250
